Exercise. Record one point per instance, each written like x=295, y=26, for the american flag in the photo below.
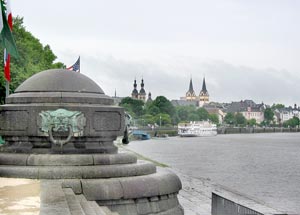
x=76, y=66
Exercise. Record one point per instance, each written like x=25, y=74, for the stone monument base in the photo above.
x=116, y=181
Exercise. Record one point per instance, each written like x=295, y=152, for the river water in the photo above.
x=263, y=166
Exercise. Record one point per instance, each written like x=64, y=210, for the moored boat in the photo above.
x=197, y=129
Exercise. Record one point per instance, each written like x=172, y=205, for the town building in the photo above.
x=214, y=109
x=248, y=108
x=284, y=114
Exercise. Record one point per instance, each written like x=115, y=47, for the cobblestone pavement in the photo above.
x=263, y=166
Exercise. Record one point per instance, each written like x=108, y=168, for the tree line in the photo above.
x=33, y=58
x=162, y=112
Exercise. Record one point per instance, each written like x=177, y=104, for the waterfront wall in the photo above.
x=255, y=130
x=223, y=206
x=170, y=131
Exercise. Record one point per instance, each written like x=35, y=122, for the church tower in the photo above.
x=203, y=96
x=149, y=97
x=135, y=93
x=142, y=94
x=190, y=94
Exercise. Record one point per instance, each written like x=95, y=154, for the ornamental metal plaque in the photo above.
x=62, y=120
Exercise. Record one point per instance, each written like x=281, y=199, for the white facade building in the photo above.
x=285, y=114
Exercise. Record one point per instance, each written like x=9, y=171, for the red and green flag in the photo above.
x=6, y=38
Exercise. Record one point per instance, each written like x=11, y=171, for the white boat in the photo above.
x=197, y=129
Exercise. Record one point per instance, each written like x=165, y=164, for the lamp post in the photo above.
x=159, y=121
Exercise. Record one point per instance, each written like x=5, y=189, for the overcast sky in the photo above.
x=245, y=49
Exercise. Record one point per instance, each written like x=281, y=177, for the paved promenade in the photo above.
x=265, y=167
x=195, y=196
x=19, y=196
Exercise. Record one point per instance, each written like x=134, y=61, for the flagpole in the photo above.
x=7, y=88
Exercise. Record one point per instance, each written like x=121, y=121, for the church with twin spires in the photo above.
x=140, y=95
x=201, y=99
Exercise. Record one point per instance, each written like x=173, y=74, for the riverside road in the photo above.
x=263, y=166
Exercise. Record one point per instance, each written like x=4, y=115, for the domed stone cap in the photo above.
x=59, y=80
x=59, y=86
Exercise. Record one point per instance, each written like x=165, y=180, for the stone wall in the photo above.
x=255, y=130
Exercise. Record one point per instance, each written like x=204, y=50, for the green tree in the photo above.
x=229, y=119
x=277, y=106
x=164, y=105
x=240, y=119
x=203, y=114
x=293, y=123
x=149, y=119
x=182, y=113
x=33, y=58
x=163, y=119
x=187, y=113
x=251, y=122
x=133, y=106
x=153, y=110
x=193, y=116
x=268, y=115
x=214, y=118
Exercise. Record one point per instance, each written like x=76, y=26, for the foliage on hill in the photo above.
x=33, y=58
x=161, y=112
x=293, y=123
x=238, y=119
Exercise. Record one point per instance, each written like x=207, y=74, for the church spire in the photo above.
x=134, y=93
x=190, y=94
x=204, y=96
x=142, y=93
x=142, y=84
x=204, y=90
x=191, y=89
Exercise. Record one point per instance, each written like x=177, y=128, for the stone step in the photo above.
x=53, y=199
x=88, y=210
x=100, y=210
x=109, y=212
x=79, y=172
x=56, y=200
x=67, y=159
x=92, y=208
x=73, y=202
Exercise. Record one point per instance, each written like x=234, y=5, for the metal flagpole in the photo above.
x=7, y=88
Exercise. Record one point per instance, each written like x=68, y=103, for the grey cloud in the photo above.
x=225, y=82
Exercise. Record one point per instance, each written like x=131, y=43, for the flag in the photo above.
x=6, y=65
x=76, y=66
x=6, y=54
x=9, y=14
x=6, y=38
